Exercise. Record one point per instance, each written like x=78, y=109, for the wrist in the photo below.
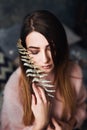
x=37, y=126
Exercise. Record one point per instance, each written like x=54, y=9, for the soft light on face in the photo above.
x=39, y=49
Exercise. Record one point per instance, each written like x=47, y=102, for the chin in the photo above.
x=48, y=71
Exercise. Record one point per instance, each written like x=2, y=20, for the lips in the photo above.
x=46, y=67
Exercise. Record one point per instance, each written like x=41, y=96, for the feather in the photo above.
x=34, y=71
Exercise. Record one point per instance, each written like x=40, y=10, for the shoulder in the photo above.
x=14, y=78
x=12, y=84
x=75, y=71
x=76, y=76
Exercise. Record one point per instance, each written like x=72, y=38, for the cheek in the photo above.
x=50, y=56
x=36, y=59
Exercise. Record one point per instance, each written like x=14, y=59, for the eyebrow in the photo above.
x=32, y=47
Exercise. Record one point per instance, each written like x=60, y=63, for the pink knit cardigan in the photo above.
x=12, y=110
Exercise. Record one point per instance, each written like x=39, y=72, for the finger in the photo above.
x=33, y=102
x=56, y=125
x=36, y=92
x=42, y=94
x=49, y=127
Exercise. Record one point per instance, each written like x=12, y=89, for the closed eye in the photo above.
x=32, y=51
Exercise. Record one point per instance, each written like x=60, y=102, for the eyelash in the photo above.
x=36, y=52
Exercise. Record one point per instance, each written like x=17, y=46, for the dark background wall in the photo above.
x=12, y=11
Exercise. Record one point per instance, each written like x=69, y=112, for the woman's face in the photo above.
x=39, y=49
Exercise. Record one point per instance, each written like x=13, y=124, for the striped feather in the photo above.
x=34, y=71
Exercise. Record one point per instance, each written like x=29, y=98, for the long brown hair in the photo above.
x=48, y=24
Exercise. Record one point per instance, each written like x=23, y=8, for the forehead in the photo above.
x=36, y=39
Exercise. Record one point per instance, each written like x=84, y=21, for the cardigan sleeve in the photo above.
x=81, y=95
x=81, y=111
x=12, y=111
x=80, y=114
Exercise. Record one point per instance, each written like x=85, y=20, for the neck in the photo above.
x=50, y=76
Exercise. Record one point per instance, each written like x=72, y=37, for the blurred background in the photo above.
x=72, y=14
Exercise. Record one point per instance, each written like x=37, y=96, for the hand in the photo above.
x=56, y=125
x=65, y=126
x=40, y=107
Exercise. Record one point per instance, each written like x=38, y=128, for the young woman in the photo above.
x=46, y=92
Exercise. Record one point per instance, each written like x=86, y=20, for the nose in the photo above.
x=45, y=57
